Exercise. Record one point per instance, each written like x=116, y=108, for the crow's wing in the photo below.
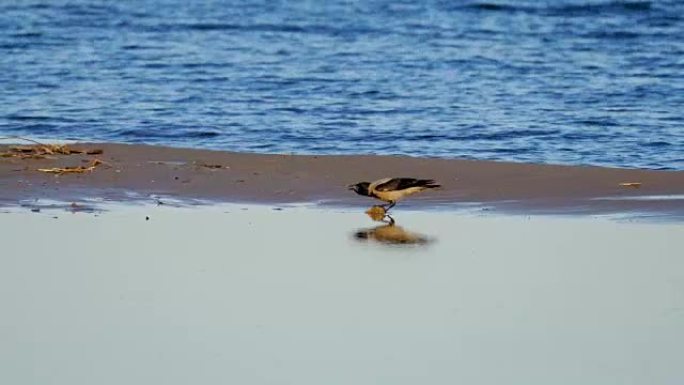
x=395, y=184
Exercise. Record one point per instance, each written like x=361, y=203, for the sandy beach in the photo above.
x=140, y=171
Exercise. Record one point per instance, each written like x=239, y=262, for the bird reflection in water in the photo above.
x=388, y=233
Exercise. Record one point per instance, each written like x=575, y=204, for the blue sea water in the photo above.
x=568, y=81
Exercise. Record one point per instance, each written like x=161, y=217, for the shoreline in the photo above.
x=138, y=172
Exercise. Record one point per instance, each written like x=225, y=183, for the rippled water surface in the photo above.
x=575, y=82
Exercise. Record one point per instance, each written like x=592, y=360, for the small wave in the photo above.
x=15, y=45
x=36, y=129
x=495, y=136
x=657, y=144
x=583, y=136
x=212, y=79
x=26, y=34
x=512, y=150
x=23, y=118
x=294, y=110
x=497, y=7
x=512, y=134
x=210, y=26
x=157, y=65
x=90, y=9
x=265, y=27
x=167, y=134
x=193, y=65
x=202, y=134
x=48, y=86
x=611, y=7
x=364, y=93
x=612, y=35
x=134, y=47
x=339, y=123
x=597, y=122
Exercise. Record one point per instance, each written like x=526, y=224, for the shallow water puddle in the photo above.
x=252, y=295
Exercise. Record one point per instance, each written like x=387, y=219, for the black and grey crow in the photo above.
x=392, y=190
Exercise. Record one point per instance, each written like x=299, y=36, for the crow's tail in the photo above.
x=428, y=183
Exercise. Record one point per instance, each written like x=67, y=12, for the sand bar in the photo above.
x=141, y=170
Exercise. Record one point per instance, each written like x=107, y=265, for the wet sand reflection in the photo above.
x=389, y=233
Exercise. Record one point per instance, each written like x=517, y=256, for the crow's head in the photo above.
x=360, y=188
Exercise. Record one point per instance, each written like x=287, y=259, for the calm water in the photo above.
x=575, y=82
x=250, y=295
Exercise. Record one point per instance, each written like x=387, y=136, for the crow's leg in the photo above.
x=389, y=220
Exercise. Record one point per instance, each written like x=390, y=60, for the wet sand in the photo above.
x=146, y=294
x=139, y=171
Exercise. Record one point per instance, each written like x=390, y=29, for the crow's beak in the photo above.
x=351, y=187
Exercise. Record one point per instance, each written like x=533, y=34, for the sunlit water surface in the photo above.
x=569, y=81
